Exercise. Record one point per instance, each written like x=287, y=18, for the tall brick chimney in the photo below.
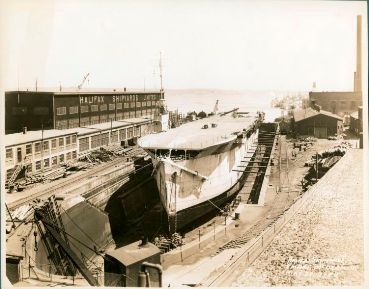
x=357, y=74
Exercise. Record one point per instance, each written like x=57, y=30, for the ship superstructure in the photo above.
x=195, y=165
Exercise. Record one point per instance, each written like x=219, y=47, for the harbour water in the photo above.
x=204, y=100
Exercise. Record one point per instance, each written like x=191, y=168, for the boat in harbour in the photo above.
x=197, y=165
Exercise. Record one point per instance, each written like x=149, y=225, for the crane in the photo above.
x=83, y=81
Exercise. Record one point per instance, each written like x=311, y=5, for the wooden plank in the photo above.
x=260, y=167
x=258, y=158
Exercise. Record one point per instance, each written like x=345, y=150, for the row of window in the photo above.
x=62, y=110
x=54, y=160
x=86, y=121
x=46, y=144
x=61, y=142
x=84, y=145
x=103, y=139
x=50, y=162
x=84, y=108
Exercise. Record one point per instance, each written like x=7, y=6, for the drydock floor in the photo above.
x=195, y=263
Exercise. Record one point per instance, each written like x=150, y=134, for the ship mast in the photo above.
x=161, y=75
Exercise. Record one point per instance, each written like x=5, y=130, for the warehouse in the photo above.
x=45, y=150
x=64, y=110
x=317, y=122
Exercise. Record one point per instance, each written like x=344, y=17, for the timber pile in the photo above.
x=326, y=160
x=135, y=152
x=115, y=150
x=54, y=174
x=20, y=213
x=77, y=166
x=108, y=153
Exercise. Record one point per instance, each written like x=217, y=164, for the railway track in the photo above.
x=60, y=185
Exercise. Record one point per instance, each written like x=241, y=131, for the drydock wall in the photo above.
x=85, y=223
x=85, y=220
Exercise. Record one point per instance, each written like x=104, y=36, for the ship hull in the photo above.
x=190, y=189
x=184, y=218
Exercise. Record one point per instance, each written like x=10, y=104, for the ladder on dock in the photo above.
x=257, y=163
x=13, y=177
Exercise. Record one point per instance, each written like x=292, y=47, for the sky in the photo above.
x=245, y=45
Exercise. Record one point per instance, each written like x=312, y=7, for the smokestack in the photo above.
x=357, y=75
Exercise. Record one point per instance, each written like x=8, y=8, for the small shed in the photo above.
x=122, y=265
x=13, y=270
x=317, y=122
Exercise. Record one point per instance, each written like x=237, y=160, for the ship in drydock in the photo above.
x=197, y=165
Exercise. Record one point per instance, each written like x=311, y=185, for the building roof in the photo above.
x=355, y=114
x=74, y=90
x=335, y=92
x=133, y=253
x=302, y=114
x=36, y=135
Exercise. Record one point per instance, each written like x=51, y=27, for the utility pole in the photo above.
x=316, y=165
x=42, y=146
x=111, y=130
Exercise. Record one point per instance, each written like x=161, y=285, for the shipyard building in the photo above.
x=47, y=129
x=64, y=110
x=341, y=103
x=316, y=122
